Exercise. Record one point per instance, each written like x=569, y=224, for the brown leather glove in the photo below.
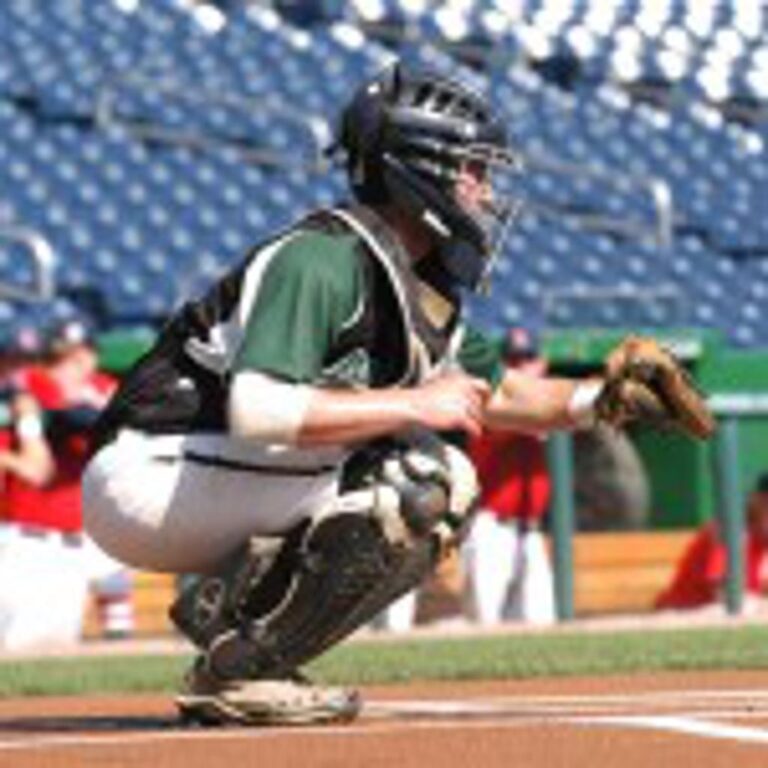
x=645, y=382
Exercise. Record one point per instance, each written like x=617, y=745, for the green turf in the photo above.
x=553, y=655
x=71, y=676
x=509, y=656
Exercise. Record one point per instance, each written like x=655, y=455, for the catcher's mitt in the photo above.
x=645, y=382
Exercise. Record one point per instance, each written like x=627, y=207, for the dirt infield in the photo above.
x=713, y=719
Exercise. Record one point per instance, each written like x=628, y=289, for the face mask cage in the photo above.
x=483, y=223
x=501, y=169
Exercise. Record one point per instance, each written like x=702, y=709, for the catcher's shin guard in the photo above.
x=276, y=607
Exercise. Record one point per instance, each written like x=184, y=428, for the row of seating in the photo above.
x=167, y=176
x=710, y=50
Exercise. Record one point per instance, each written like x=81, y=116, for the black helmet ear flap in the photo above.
x=415, y=193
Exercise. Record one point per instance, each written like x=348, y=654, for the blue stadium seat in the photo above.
x=168, y=217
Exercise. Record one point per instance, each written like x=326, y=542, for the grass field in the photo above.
x=479, y=658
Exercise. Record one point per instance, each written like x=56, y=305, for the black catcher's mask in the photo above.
x=406, y=136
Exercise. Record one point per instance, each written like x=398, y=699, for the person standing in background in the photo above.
x=35, y=560
x=48, y=566
x=78, y=394
x=508, y=574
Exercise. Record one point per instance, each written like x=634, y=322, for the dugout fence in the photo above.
x=731, y=410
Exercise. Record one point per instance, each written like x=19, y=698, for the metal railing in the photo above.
x=659, y=230
x=43, y=261
x=149, y=128
x=552, y=299
x=730, y=409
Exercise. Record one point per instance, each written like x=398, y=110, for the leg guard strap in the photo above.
x=348, y=574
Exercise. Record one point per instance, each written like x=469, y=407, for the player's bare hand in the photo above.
x=452, y=401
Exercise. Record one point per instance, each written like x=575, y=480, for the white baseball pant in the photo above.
x=183, y=503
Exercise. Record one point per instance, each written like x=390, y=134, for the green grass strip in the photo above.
x=104, y=674
x=548, y=655
x=468, y=658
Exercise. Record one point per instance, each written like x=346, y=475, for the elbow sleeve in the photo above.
x=262, y=408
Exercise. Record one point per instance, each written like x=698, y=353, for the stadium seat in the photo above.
x=167, y=216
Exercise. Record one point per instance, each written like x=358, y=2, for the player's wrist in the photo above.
x=407, y=408
x=29, y=426
x=582, y=401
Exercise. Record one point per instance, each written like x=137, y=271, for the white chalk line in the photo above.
x=381, y=717
x=714, y=694
x=686, y=725
x=751, y=699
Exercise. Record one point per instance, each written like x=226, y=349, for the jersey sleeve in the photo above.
x=309, y=290
x=480, y=355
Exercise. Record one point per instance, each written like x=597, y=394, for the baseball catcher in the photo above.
x=284, y=438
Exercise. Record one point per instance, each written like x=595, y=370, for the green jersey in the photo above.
x=326, y=303
x=312, y=294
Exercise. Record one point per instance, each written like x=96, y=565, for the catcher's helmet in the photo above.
x=406, y=135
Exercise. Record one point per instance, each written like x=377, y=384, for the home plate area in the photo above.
x=712, y=720
x=739, y=715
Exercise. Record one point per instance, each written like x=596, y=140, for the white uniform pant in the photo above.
x=400, y=616
x=508, y=573
x=45, y=582
x=110, y=584
x=43, y=588
x=183, y=503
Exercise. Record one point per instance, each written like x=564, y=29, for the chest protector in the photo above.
x=408, y=330
x=410, y=325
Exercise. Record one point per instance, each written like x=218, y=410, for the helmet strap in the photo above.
x=461, y=242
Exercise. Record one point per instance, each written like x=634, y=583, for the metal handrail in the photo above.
x=726, y=456
x=107, y=115
x=732, y=408
x=660, y=231
x=552, y=297
x=42, y=287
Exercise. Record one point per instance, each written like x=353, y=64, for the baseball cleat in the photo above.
x=209, y=701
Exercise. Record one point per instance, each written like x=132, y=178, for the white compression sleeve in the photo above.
x=581, y=405
x=264, y=408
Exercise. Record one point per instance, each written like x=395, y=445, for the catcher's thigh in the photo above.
x=183, y=504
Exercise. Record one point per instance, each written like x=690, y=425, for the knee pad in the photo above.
x=425, y=485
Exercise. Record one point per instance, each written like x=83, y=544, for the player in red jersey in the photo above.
x=507, y=566
x=50, y=564
x=699, y=578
